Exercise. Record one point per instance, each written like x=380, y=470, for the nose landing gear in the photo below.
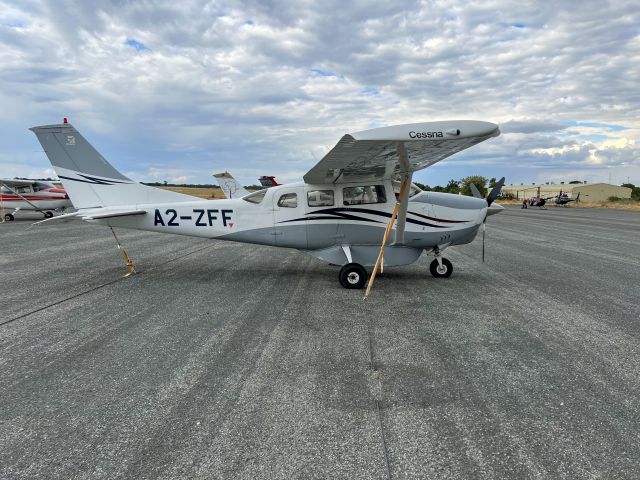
x=440, y=267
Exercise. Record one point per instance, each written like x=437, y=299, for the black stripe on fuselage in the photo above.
x=341, y=214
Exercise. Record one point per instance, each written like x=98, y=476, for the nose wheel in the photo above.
x=8, y=217
x=353, y=276
x=441, y=268
x=48, y=214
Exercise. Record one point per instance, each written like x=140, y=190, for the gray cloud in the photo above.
x=233, y=83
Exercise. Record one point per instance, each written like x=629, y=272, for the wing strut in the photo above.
x=403, y=189
x=405, y=168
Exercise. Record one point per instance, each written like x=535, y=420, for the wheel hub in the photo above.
x=353, y=278
x=441, y=269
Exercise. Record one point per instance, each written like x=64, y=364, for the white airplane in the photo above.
x=343, y=212
x=230, y=186
x=31, y=195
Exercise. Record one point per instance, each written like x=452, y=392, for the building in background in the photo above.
x=589, y=192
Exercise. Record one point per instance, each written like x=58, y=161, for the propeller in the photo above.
x=475, y=191
x=493, y=194
x=495, y=191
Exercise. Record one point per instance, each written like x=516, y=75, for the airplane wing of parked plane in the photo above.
x=397, y=151
x=15, y=182
x=374, y=155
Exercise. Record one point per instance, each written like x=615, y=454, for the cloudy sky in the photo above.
x=177, y=90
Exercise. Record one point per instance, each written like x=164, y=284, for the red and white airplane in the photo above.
x=31, y=195
x=268, y=181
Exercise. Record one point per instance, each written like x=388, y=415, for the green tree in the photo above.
x=479, y=181
x=453, y=186
x=635, y=191
x=574, y=182
x=492, y=182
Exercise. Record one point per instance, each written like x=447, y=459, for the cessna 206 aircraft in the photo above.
x=31, y=195
x=344, y=212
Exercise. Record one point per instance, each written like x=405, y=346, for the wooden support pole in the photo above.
x=405, y=182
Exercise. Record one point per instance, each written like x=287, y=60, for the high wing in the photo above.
x=372, y=155
x=16, y=183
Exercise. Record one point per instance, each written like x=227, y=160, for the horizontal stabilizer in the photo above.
x=112, y=214
x=59, y=218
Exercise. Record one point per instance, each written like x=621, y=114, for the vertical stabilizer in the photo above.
x=91, y=181
x=230, y=186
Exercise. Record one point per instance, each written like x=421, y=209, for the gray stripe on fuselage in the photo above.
x=449, y=200
x=323, y=236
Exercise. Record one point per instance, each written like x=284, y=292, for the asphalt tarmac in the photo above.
x=223, y=360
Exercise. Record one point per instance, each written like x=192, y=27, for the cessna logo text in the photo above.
x=426, y=134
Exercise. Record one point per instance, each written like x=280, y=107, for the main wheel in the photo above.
x=48, y=214
x=441, y=272
x=352, y=275
x=8, y=217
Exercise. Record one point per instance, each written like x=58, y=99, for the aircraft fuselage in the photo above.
x=321, y=220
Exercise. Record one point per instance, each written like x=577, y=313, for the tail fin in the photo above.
x=91, y=181
x=230, y=186
x=268, y=181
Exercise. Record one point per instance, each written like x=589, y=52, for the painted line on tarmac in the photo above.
x=375, y=371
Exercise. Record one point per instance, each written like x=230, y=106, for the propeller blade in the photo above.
x=474, y=191
x=495, y=191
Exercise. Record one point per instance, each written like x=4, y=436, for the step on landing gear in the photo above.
x=353, y=276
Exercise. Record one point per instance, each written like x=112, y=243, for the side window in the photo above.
x=288, y=200
x=320, y=198
x=364, y=195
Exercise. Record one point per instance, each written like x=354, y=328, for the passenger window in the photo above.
x=364, y=195
x=288, y=200
x=255, y=197
x=320, y=198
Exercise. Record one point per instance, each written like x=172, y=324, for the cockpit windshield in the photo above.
x=255, y=197
x=413, y=189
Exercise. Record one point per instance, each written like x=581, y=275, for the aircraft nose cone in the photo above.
x=494, y=208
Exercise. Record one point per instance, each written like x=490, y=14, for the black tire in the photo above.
x=48, y=214
x=353, y=276
x=8, y=217
x=446, y=266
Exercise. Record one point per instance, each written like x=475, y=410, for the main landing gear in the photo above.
x=8, y=217
x=353, y=276
x=48, y=214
